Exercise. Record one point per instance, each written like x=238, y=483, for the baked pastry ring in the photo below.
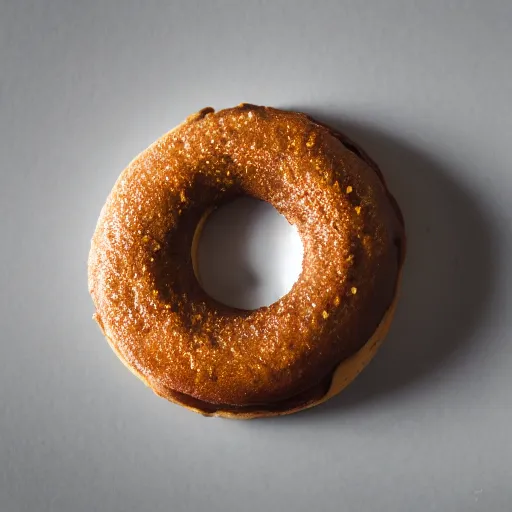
x=222, y=361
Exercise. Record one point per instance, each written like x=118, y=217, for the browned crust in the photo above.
x=337, y=380
x=343, y=375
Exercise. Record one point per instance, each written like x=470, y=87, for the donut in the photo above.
x=223, y=361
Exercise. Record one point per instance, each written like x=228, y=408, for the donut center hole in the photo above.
x=248, y=255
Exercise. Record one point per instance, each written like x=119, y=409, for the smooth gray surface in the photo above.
x=248, y=255
x=425, y=86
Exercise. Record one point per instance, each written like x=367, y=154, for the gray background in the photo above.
x=424, y=86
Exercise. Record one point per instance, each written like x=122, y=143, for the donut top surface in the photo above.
x=150, y=304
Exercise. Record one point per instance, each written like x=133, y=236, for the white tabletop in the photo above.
x=425, y=87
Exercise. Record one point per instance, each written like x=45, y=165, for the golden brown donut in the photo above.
x=223, y=361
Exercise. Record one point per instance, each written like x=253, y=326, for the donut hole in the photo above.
x=248, y=256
